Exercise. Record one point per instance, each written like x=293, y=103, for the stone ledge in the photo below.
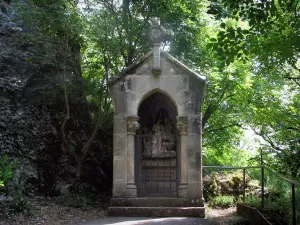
x=157, y=211
x=150, y=202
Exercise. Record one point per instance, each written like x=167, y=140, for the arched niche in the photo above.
x=157, y=106
x=157, y=153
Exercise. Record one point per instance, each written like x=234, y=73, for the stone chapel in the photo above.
x=157, y=152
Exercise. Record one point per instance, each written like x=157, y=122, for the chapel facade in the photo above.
x=157, y=152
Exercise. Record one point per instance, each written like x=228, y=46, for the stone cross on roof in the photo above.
x=156, y=35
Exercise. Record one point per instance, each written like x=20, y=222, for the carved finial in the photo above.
x=182, y=124
x=156, y=35
x=132, y=124
x=156, y=21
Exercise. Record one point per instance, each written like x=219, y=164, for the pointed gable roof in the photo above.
x=148, y=56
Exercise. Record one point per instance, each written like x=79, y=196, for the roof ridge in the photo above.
x=144, y=58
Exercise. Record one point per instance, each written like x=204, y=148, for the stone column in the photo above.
x=182, y=126
x=132, y=126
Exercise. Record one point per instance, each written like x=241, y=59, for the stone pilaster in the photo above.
x=120, y=156
x=132, y=127
x=182, y=126
x=195, y=193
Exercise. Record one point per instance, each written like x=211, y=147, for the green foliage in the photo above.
x=270, y=29
x=55, y=19
x=277, y=198
x=7, y=167
x=19, y=203
x=110, y=37
x=214, y=186
x=222, y=201
x=252, y=200
x=11, y=176
x=263, y=37
x=248, y=50
x=18, y=192
x=224, y=183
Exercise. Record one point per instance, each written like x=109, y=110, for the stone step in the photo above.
x=153, y=202
x=157, y=211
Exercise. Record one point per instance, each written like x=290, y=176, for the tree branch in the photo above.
x=267, y=139
x=213, y=107
x=223, y=128
x=65, y=145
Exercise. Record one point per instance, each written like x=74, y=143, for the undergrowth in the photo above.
x=221, y=201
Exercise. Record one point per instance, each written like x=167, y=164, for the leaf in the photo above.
x=222, y=65
x=239, y=55
x=228, y=61
x=240, y=36
x=245, y=31
x=213, y=40
x=223, y=25
x=210, y=45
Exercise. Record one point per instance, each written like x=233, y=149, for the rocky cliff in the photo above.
x=32, y=104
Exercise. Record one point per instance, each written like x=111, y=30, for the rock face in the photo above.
x=32, y=104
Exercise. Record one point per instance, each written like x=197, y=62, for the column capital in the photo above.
x=132, y=124
x=182, y=124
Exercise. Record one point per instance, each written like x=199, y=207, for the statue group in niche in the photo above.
x=160, y=142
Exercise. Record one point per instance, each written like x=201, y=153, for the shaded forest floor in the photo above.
x=57, y=212
x=52, y=212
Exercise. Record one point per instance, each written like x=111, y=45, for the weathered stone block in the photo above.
x=120, y=169
x=120, y=122
x=120, y=144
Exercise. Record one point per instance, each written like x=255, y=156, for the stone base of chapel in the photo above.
x=156, y=207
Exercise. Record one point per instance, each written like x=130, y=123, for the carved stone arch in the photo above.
x=154, y=103
x=153, y=91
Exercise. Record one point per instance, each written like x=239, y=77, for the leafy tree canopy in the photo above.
x=248, y=50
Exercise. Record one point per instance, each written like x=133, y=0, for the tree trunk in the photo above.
x=79, y=169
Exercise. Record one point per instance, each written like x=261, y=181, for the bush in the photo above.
x=222, y=201
x=7, y=167
x=19, y=203
x=216, y=184
x=12, y=183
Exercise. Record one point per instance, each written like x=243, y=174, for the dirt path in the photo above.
x=213, y=217
x=49, y=212
x=223, y=216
